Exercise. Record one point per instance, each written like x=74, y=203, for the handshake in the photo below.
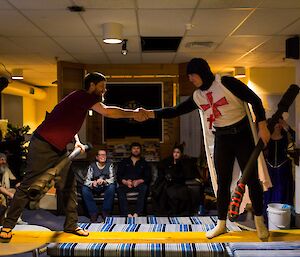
x=141, y=114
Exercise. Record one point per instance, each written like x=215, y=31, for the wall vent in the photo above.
x=199, y=44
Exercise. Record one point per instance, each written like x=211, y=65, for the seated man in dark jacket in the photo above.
x=133, y=175
x=99, y=179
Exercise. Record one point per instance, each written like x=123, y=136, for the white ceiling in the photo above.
x=34, y=34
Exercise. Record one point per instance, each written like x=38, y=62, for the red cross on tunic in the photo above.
x=215, y=112
x=211, y=119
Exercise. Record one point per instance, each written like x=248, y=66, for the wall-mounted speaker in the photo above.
x=292, y=48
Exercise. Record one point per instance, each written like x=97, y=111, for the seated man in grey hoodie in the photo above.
x=99, y=179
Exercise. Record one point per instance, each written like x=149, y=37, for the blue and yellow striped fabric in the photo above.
x=146, y=224
x=138, y=250
x=264, y=249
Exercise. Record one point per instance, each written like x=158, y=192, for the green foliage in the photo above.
x=15, y=147
x=14, y=132
x=16, y=135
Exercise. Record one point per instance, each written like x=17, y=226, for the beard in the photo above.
x=2, y=169
x=136, y=155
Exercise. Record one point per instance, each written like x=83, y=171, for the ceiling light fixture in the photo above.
x=112, y=33
x=124, y=50
x=239, y=72
x=17, y=74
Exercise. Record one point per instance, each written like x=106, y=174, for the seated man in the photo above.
x=133, y=175
x=6, y=191
x=99, y=179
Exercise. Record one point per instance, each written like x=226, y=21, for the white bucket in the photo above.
x=279, y=216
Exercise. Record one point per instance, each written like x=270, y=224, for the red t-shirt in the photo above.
x=65, y=120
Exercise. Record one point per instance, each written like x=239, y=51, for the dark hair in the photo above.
x=93, y=77
x=200, y=66
x=102, y=149
x=135, y=144
x=179, y=146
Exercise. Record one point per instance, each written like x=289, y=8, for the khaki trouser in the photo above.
x=41, y=157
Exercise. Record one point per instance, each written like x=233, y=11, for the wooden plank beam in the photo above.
x=25, y=241
x=149, y=237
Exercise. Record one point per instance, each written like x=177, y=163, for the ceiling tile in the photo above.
x=12, y=23
x=223, y=58
x=50, y=57
x=163, y=22
x=240, y=44
x=8, y=46
x=158, y=57
x=229, y=3
x=216, y=22
x=58, y=22
x=275, y=44
x=292, y=30
x=255, y=58
x=4, y=5
x=280, y=4
x=27, y=29
x=75, y=44
x=91, y=58
x=130, y=58
x=167, y=4
x=104, y=4
x=37, y=44
x=182, y=57
x=183, y=45
x=41, y=4
x=268, y=22
x=95, y=19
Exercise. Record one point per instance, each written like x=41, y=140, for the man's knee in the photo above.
x=142, y=188
x=86, y=190
x=111, y=188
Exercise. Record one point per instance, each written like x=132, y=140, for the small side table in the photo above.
x=10, y=249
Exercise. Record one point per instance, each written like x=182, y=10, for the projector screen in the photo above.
x=131, y=96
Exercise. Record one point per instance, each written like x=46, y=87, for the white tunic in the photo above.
x=221, y=107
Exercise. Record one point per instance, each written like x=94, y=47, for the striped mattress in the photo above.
x=146, y=224
x=264, y=249
x=138, y=250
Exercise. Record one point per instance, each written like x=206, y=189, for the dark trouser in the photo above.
x=140, y=203
x=41, y=157
x=179, y=200
x=228, y=147
x=88, y=198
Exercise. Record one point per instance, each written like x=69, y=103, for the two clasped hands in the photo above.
x=141, y=114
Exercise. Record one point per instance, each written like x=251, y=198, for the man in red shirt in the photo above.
x=48, y=147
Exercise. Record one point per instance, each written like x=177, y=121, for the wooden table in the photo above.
x=23, y=247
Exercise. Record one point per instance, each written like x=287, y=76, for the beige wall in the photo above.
x=29, y=113
x=34, y=110
x=46, y=104
x=272, y=80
